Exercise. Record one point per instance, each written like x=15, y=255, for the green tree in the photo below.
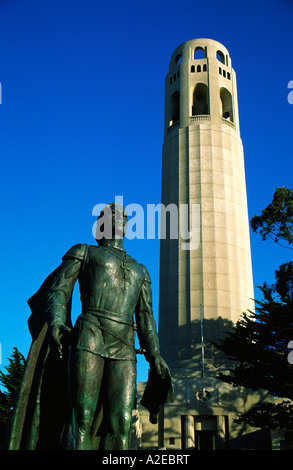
x=10, y=381
x=258, y=344
x=276, y=220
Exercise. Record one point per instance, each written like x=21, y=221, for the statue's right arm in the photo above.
x=60, y=292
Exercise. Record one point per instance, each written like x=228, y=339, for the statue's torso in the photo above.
x=111, y=280
x=110, y=284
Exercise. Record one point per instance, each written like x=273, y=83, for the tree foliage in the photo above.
x=259, y=345
x=270, y=415
x=259, y=341
x=276, y=220
x=10, y=380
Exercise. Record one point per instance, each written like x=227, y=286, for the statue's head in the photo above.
x=111, y=223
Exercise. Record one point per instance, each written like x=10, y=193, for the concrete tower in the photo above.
x=206, y=281
x=205, y=284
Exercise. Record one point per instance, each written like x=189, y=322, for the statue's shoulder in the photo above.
x=129, y=259
x=77, y=251
x=145, y=274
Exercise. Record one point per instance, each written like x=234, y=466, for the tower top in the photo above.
x=202, y=48
x=201, y=86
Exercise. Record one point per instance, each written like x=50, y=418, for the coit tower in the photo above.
x=205, y=266
x=205, y=259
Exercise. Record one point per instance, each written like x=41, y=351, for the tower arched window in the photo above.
x=226, y=104
x=192, y=69
x=221, y=57
x=198, y=53
x=200, y=100
x=198, y=69
x=174, y=108
x=178, y=59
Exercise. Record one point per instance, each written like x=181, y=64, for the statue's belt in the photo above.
x=89, y=314
x=107, y=314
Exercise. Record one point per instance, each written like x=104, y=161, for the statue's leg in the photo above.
x=119, y=397
x=86, y=372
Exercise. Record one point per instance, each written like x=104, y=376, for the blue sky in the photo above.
x=81, y=121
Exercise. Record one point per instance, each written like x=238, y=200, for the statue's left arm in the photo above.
x=146, y=328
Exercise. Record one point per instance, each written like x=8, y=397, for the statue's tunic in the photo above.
x=113, y=286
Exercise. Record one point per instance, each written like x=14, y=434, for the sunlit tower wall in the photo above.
x=206, y=288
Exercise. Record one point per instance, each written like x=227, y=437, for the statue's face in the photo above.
x=114, y=221
x=119, y=221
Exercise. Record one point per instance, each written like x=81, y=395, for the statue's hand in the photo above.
x=158, y=364
x=56, y=332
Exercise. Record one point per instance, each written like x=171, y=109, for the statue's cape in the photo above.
x=40, y=412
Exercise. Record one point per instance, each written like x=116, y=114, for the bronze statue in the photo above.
x=79, y=385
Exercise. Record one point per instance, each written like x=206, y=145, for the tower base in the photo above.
x=202, y=417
